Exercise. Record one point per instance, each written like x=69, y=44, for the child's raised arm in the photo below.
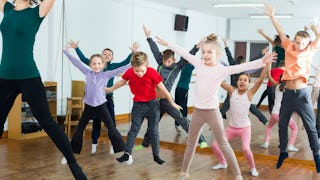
x=260, y=31
x=269, y=10
x=76, y=62
x=314, y=28
x=163, y=90
x=227, y=87
x=258, y=83
x=182, y=52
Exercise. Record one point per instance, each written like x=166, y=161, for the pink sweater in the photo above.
x=209, y=78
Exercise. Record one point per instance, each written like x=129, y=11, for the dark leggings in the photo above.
x=99, y=112
x=33, y=93
x=96, y=124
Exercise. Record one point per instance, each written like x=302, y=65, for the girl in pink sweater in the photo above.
x=210, y=73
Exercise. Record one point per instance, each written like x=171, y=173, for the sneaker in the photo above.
x=292, y=148
x=178, y=130
x=219, y=166
x=265, y=145
x=254, y=172
x=63, y=161
x=130, y=160
x=224, y=116
x=94, y=148
x=111, y=151
x=203, y=145
x=139, y=148
x=183, y=176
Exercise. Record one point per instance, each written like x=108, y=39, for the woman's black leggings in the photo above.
x=34, y=94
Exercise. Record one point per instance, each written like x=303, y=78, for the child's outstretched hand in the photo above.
x=135, y=46
x=66, y=47
x=177, y=107
x=162, y=41
x=269, y=57
x=147, y=31
x=269, y=10
x=73, y=44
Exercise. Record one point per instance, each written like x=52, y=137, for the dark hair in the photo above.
x=281, y=83
x=243, y=73
x=31, y=2
x=240, y=59
x=108, y=49
x=277, y=40
x=168, y=53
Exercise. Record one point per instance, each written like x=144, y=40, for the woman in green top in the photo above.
x=19, y=73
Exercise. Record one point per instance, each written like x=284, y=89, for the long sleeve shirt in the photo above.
x=109, y=66
x=95, y=81
x=169, y=74
x=209, y=78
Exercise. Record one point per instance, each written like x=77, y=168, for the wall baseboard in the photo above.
x=123, y=118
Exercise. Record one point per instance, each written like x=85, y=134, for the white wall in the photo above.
x=114, y=24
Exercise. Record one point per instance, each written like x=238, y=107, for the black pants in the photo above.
x=270, y=93
x=102, y=113
x=181, y=98
x=96, y=125
x=165, y=107
x=297, y=101
x=33, y=93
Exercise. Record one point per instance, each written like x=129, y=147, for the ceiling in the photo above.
x=299, y=8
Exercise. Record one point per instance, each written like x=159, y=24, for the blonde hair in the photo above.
x=213, y=39
x=138, y=59
x=98, y=56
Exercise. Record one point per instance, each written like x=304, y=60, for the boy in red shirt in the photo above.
x=143, y=82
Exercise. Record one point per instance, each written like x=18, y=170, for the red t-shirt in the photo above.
x=275, y=74
x=143, y=88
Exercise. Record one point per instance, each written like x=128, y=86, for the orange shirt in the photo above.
x=297, y=63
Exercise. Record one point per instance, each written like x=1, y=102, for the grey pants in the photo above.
x=297, y=101
x=165, y=107
x=141, y=110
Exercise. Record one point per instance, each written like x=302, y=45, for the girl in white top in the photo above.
x=275, y=116
x=240, y=125
x=210, y=73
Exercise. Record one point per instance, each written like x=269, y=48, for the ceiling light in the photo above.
x=237, y=5
x=263, y=16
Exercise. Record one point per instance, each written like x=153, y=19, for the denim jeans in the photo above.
x=141, y=110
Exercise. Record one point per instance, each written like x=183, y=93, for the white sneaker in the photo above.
x=130, y=160
x=254, y=172
x=111, y=151
x=63, y=161
x=292, y=148
x=184, y=176
x=219, y=166
x=265, y=145
x=94, y=148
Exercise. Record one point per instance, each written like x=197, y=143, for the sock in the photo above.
x=317, y=162
x=123, y=158
x=282, y=157
x=139, y=148
x=77, y=172
x=158, y=160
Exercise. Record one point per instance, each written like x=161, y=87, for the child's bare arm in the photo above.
x=166, y=93
x=116, y=86
x=269, y=10
x=227, y=87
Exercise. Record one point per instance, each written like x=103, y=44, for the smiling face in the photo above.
x=140, y=70
x=96, y=63
x=243, y=82
x=300, y=43
x=210, y=54
x=107, y=55
x=168, y=62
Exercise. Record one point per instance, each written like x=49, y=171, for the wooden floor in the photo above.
x=39, y=159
